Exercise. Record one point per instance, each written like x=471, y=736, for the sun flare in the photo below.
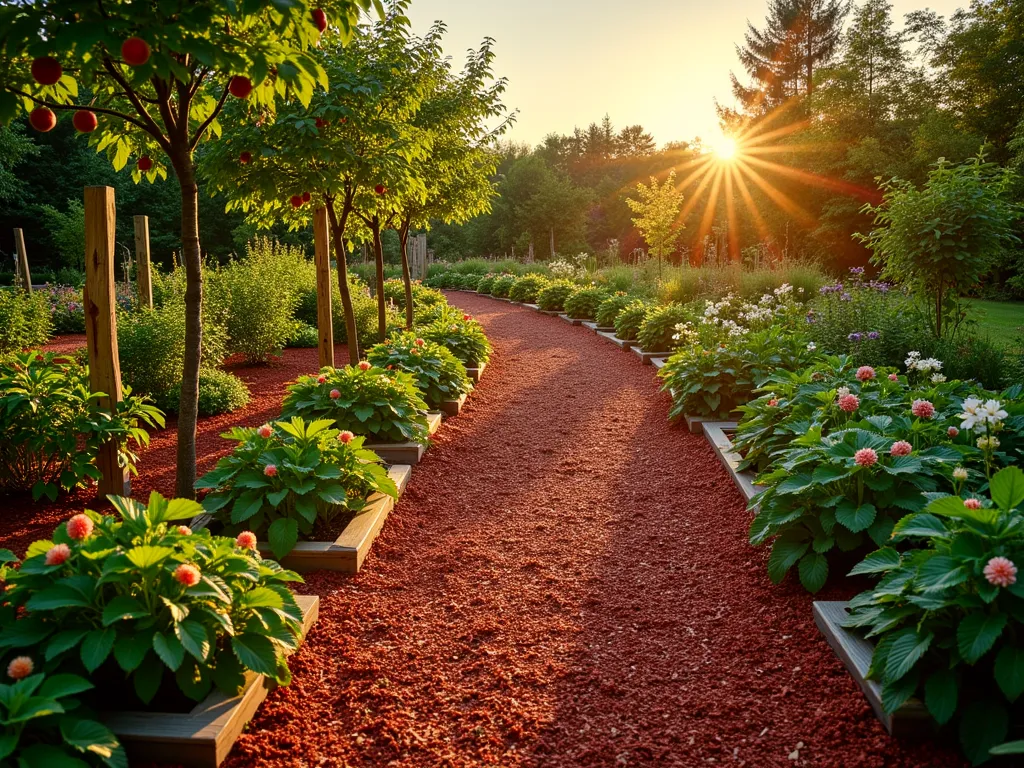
x=725, y=148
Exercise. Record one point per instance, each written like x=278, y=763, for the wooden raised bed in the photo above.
x=346, y=553
x=476, y=372
x=647, y=357
x=659, y=362
x=621, y=343
x=597, y=328
x=912, y=719
x=534, y=307
x=571, y=320
x=719, y=434
x=405, y=453
x=203, y=737
x=453, y=407
x=551, y=312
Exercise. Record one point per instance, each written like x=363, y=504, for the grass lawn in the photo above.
x=1003, y=321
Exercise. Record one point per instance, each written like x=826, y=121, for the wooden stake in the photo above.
x=101, y=325
x=143, y=275
x=322, y=259
x=19, y=244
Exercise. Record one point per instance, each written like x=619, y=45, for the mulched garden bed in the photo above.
x=566, y=582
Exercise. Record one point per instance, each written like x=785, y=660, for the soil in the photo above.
x=565, y=582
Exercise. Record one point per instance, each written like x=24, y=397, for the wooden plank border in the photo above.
x=405, y=453
x=571, y=320
x=454, y=407
x=719, y=434
x=621, y=343
x=476, y=372
x=597, y=328
x=647, y=357
x=203, y=737
x=912, y=719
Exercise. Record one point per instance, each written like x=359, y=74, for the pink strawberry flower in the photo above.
x=80, y=527
x=345, y=436
x=1001, y=572
x=270, y=470
x=321, y=379
x=922, y=409
x=184, y=530
x=420, y=342
x=335, y=394
x=849, y=403
x=773, y=403
x=364, y=365
x=894, y=377
x=20, y=667
x=972, y=503
x=246, y=540
x=865, y=457
x=265, y=431
x=58, y=554
x=187, y=574
x=467, y=318
x=865, y=373
x=952, y=431
x=901, y=448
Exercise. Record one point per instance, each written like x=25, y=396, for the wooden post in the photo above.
x=19, y=244
x=143, y=275
x=101, y=325
x=322, y=259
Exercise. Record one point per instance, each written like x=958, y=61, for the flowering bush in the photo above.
x=439, y=375
x=422, y=295
x=290, y=480
x=583, y=303
x=486, y=283
x=526, y=288
x=630, y=318
x=947, y=614
x=552, y=297
x=609, y=309
x=24, y=320
x=152, y=603
x=53, y=426
x=469, y=281
x=501, y=285
x=566, y=269
x=657, y=332
x=379, y=404
x=461, y=335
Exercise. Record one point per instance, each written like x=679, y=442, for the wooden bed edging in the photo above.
x=453, y=407
x=203, y=737
x=659, y=362
x=534, y=307
x=912, y=719
x=597, y=328
x=476, y=372
x=647, y=357
x=550, y=312
x=621, y=343
x=405, y=453
x=719, y=434
x=571, y=320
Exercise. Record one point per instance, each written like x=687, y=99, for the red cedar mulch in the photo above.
x=566, y=582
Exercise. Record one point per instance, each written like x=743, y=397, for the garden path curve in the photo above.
x=567, y=582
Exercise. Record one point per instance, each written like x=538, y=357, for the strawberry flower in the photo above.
x=80, y=527
x=187, y=574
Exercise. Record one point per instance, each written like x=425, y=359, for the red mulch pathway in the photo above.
x=566, y=582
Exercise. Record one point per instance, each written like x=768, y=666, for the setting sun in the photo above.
x=725, y=148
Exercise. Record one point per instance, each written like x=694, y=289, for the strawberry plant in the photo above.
x=609, y=309
x=461, y=335
x=552, y=297
x=583, y=303
x=948, y=615
x=629, y=320
x=439, y=375
x=53, y=426
x=526, y=288
x=141, y=598
x=292, y=479
x=381, y=405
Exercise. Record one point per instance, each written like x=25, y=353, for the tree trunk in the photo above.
x=188, y=405
x=378, y=255
x=403, y=239
x=338, y=236
x=552, y=242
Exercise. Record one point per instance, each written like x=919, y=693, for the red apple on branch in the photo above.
x=240, y=87
x=145, y=163
x=84, y=121
x=320, y=19
x=42, y=119
x=306, y=197
x=296, y=201
x=245, y=158
x=380, y=189
x=46, y=70
x=135, y=51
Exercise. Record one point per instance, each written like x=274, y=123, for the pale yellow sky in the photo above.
x=660, y=63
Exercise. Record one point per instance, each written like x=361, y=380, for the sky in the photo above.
x=659, y=63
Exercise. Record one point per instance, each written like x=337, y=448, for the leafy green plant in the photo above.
x=140, y=598
x=947, y=613
x=304, y=336
x=469, y=282
x=439, y=375
x=53, y=426
x=378, y=404
x=485, y=284
x=24, y=320
x=629, y=320
x=609, y=309
x=422, y=295
x=526, y=288
x=583, y=304
x=461, y=335
x=551, y=298
x=501, y=285
x=292, y=479
x=219, y=392
x=658, y=330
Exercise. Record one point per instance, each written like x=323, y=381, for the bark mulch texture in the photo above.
x=566, y=582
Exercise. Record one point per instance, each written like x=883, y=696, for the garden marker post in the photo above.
x=143, y=271
x=322, y=260
x=101, y=325
x=19, y=244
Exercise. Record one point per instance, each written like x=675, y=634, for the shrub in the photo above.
x=53, y=426
x=946, y=615
x=67, y=312
x=219, y=392
x=364, y=308
x=552, y=297
x=305, y=336
x=485, y=284
x=422, y=295
x=438, y=373
x=461, y=335
x=138, y=598
x=682, y=287
x=24, y=320
x=292, y=479
x=583, y=303
x=501, y=285
x=378, y=404
x=629, y=320
x=609, y=309
x=657, y=332
x=526, y=288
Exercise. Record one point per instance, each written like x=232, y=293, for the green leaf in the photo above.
x=276, y=497
x=1007, y=488
x=193, y=638
x=131, y=649
x=984, y=725
x=260, y=597
x=921, y=525
x=147, y=678
x=1009, y=671
x=169, y=649
x=813, y=571
x=57, y=596
x=182, y=509
x=977, y=633
x=882, y=560
x=58, y=686
x=906, y=650
x=940, y=695
x=895, y=693
x=90, y=736
x=123, y=607
x=96, y=647
x=282, y=535
x=146, y=556
x=856, y=519
x=256, y=652
x=940, y=572
x=785, y=553
x=247, y=505
x=64, y=641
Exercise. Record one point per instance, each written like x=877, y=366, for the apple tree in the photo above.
x=158, y=76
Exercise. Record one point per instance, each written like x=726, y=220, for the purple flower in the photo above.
x=856, y=270
x=855, y=336
x=811, y=318
x=845, y=297
x=873, y=335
